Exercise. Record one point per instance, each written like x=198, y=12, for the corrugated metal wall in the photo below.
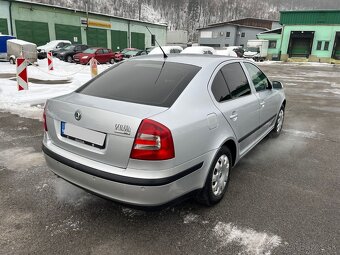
x=138, y=40
x=310, y=17
x=68, y=32
x=3, y=26
x=32, y=31
x=96, y=37
x=118, y=39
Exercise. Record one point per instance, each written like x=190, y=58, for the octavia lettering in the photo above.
x=122, y=129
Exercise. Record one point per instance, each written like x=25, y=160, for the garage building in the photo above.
x=41, y=23
x=306, y=36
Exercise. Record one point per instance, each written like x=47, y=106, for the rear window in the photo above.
x=144, y=82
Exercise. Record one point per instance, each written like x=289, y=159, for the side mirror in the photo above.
x=277, y=85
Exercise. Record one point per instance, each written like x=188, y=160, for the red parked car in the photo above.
x=102, y=55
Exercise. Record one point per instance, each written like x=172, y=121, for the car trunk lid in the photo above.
x=96, y=128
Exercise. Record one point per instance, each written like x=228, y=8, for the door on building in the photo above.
x=32, y=31
x=138, y=40
x=67, y=32
x=336, y=48
x=118, y=40
x=300, y=43
x=96, y=37
x=3, y=27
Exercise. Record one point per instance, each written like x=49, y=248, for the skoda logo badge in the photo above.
x=77, y=115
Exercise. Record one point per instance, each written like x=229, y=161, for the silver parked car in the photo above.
x=150, y=130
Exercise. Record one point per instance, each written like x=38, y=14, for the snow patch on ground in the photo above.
x=305, y=134
x=64, y=226
x=251, y=242
x=334, y=91
x=131, y=213
x=21, y=158
x=190, y=218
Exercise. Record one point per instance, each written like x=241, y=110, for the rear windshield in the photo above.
x=144, y=82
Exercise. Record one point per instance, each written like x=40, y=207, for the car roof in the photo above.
x=190, y=59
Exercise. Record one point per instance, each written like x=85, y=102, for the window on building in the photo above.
x=326, y=46
x=272, y=44
x=227, y=34
x=318, y=47
x=243, y=34
x=153, y=40
x=227, y=45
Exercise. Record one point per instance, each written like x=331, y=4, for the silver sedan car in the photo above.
x=151, y=130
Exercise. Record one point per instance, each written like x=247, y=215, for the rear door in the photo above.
x=236, y=100
x=268, y=97
x=100, y=56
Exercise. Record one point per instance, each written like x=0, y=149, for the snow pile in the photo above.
x=252, y=242
x=43, y=84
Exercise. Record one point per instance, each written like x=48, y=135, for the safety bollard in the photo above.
x=50, y=61
x=22, y=78
x=94, y=69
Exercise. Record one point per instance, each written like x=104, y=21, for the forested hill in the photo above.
x=191, y=14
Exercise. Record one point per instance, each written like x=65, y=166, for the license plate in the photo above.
x=84, y=134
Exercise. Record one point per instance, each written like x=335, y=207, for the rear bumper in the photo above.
x=136, y=191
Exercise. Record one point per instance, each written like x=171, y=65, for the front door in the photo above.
x=266, y=95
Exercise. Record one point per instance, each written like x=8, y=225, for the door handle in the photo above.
x=233, y=116
x=262, y=103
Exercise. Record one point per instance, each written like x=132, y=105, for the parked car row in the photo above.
x=81, y=53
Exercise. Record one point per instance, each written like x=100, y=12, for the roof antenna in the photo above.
x=164, y=55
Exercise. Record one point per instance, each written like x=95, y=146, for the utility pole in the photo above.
x=140, y=9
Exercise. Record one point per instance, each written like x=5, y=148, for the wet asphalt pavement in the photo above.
x=286, y=191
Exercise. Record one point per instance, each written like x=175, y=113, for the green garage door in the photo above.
x=118, y=39
x=3, y=26
x=138, y=40
x=32, y=31
x=96, y=37
x=67, y=32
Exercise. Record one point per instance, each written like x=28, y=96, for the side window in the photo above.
x=236, y=80
x=259, y=79
x=99, y=51
x=105, y=51
x=77, y=49
x=219, y=88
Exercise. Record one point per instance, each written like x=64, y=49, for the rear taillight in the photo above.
x=153, y=142
x=44, y=119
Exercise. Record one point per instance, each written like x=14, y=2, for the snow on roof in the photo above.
x=20, y=42
x=198, y=49
x=166, y=49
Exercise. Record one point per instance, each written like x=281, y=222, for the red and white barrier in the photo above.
x=50, y=61
x=94, y=69
x=22, y=78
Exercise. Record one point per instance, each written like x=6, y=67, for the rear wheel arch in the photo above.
x=231, y=145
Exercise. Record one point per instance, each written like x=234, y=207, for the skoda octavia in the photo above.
x=150, y=130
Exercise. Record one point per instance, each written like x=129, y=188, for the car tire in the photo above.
x=112, y=61
x=278, y=123
x=69, y=59
x=217, y=180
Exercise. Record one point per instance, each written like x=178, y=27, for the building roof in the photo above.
x=80, y=11
x=246, y=22
x=230, y=24
x=273, y=31
x=310, y=17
